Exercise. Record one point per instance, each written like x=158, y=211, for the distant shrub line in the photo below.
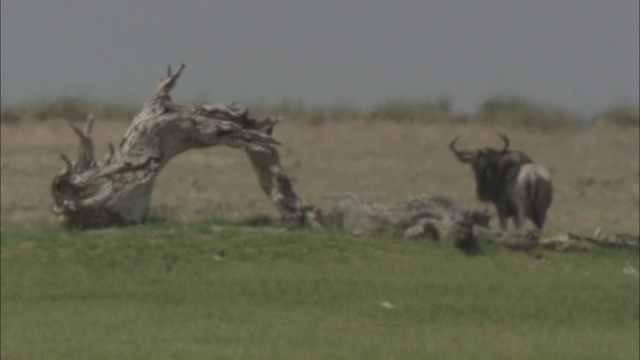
x=498, y=110
x=73, y=108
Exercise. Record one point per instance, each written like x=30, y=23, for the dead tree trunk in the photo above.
x=117, y=189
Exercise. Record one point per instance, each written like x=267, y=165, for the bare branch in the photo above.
x=236, y=113
x=99, y=198
x=169, y=82
x=109, y=156
x=85, y=158
x=88, y=126
x=69, y=168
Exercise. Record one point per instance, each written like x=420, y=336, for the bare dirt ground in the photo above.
x=595, y=172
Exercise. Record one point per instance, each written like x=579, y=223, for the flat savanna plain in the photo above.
x=595, y=172
x=194, y=284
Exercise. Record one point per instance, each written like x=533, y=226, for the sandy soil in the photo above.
x=595, y=172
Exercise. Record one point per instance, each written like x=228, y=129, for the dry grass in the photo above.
x=596, y=172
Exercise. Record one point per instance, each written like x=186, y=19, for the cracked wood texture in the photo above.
x=117, y=190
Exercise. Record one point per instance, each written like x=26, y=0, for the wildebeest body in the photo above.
x=511, y=181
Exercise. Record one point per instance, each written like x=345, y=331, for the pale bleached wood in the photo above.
x=117, y=190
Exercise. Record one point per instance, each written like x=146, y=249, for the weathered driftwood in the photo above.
x=467, y=233
x=565, y=242
x=415, y=217
x=616, y=241
x=574, y=242
x=117, y=189
x=438, y=218
x=463, y=236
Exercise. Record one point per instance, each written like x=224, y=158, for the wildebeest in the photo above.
x=511, y=181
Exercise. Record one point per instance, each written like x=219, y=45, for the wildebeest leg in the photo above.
x=502, y=216
x=503, y=223
x=519, y=218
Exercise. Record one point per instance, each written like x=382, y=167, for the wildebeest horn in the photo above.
x=452, y=145
x=505, y=139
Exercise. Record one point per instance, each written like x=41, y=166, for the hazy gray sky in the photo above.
x=579, y=54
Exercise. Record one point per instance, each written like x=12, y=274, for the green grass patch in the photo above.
x=15, y=208
x=171, y=290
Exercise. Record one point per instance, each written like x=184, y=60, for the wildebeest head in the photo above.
x=482, y=155
x=491, y=167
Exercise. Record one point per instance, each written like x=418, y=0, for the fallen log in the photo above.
x=565, y=243
x=616, y=241
x=418, y=216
